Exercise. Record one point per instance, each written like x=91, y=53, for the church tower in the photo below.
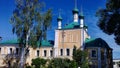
x=59, y=20
x=75, y=13
x=73, y=34
x=81, y=18
x=56, y=50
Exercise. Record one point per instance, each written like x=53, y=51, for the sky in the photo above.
x=89, y=8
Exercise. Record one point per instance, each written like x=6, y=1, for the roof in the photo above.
x=75, y=10
x=98, y=42
x=72, y=25
x=81, y=16
x=44, y=43
x=13, y=41
x=59, y=18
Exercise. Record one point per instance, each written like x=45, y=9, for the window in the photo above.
x=67, y=52
x=51, y=53
x=113, y=63
x=0, y=50
x=16, y=51
x=94, y=53
x=10, y=50
x=61, y=52
x=38, y=53
x=45, y=53
x=118, y=65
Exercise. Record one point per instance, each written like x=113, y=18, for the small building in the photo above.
x=116, y=63
x=11, y=50
x=100, y=54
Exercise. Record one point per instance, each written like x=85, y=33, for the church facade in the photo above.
x=70, y=35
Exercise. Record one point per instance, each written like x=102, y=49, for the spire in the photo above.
x=59, y=20
x=75, y=3
x=81, y=16
x=75, y=10
x=59, y=16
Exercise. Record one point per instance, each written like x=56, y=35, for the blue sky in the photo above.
x=89, y=9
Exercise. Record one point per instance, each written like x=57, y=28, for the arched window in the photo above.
x=0, y=50
x=10, y=50
x=68, y=52
x=51, y=53
x=38, y=53
x=17, y=50
x=61, y=52
x=45, y=53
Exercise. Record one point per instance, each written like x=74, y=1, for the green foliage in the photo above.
x=73, y=64
x=29, y=19
x=28, y=67
x=39, y=62
x=53, y=63
x=61, y=63
x=109, y=19
x=80, y=57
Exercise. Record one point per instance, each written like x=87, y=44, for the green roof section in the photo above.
x=98, y=42
x=87, y=40
x=85, y=26
x=75, y=10
x=81, y=16
x=14, y=41
x=44, y=43
x=59, y=18
x=71, y=25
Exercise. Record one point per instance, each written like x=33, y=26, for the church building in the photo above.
x=73, y=34
x=66, y=37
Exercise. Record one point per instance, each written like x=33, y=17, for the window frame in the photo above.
x=0, y=50
x=38, y=53
x=93, y=55
x=11, y=50
x=17, y=51
x=61, y=52
x=67, y=52
x=45, y=53
x=51, y=53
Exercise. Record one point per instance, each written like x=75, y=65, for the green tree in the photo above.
x=39, y=62
x=61, y=63
x=109, y=19
x=30, y=23
x=29, y=18
x=80, y=57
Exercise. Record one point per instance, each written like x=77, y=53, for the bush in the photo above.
x=39, y=62
x=61, y=63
